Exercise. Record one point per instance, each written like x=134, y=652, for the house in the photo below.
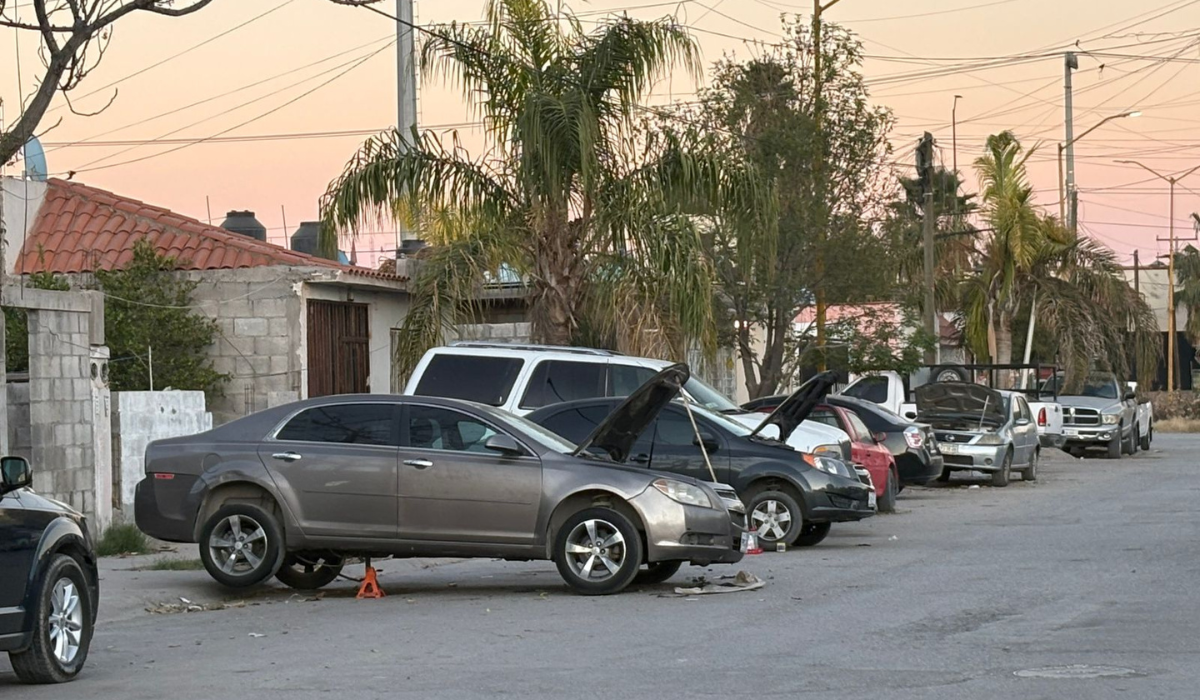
x=290, y=325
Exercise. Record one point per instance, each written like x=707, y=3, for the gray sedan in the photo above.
x=294, y=490
x=981, y=429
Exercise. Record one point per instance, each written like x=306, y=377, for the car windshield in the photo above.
x=1097, y=386
x=709, y=397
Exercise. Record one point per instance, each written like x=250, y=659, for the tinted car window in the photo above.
x=859, y=426
x=675, y=429
x=822, y=415
x=577, y=423
x=873, y=389
x=486, y=380
x=353, y=424
x=433, y=428
x=558, y=381
x=623, y=379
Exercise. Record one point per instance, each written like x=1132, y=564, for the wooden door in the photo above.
x=339, y=357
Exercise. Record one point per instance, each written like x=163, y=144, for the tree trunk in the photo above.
x=558, y=279
x=1004, y=346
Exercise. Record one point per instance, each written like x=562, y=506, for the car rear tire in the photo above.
x=887, y=499
x=62, y=626
x=1001, y=475
x=777, y=516
x=1114, y=446
x=1145, y=439
x=812, y=534
x=308, y=573
x=944, y=477
x=241, y=545
x=603, y=538
x=1030, y=473
x=656, y=572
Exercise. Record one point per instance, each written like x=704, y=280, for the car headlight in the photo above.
x=686, y=494
x=991, y=439
x=1110, y=418
x=830, y=450
x=829, y=465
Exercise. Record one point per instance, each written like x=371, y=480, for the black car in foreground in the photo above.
x=790, y=497
x=918, y=458
x=49, y=586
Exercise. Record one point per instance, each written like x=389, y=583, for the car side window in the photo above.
x=1023, y=407
x=347, y=424
x=433, y=428
x=864, y=433
x=559, y=381
x=873, y=389
x=486, y=380
x=623, y=380
x=825, y=416
x=575, y=424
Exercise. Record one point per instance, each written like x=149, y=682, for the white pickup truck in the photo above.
x=892, y=391
x=1104, y=412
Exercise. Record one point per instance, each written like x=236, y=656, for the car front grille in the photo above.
x=1080, y=416
x=959, y=460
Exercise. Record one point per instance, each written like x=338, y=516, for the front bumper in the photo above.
x=982, y=458
x=678, y=532
x=1097, y=435
x=837, y=499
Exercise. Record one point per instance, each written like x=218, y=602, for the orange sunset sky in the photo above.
x=285, y=67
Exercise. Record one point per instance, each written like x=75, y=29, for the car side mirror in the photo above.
x=709, y=442
x=16, y=473
x=1130, y=395
x=1023, y=421
x=505, y=445
x=879, y=438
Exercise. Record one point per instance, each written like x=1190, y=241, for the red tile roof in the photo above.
x=82, y=229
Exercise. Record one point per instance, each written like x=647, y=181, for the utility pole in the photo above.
x=924, y=175
x=818, y=120
x=954, y=136
x=406, y=85
x=1070, y=62
x=1137, y=287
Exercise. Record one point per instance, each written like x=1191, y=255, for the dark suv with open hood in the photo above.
x=291, y=491
x=791, y=497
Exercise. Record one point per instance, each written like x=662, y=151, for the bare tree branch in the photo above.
x=90, y=114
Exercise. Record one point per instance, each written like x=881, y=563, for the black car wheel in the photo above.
x=1145, y=439
x=1115, y=446
x=777, y=516
x=887, y=499
x=1129, y=446
x=62, y=626
x=598, y=551
x=812, y=534
x=241, y=545
x=657, y=572
x=944, y=476
x=1000, y=476
x=1030, y=472
x=309, y=572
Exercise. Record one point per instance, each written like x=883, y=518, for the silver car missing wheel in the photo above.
x=293, y=491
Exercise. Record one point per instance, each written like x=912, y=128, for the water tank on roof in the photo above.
x=304, y=240
x=243, y=222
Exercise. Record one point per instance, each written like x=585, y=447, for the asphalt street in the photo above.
x=1080, y=585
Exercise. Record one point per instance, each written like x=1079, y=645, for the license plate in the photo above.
x=1071, y=432
x=871, y=499
x=949, y=449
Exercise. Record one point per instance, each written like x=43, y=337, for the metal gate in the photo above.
x=339, y=357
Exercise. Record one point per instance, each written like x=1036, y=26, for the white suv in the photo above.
x=523, y=378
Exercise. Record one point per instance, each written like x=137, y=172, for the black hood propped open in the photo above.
x=617, y=433
x=795, y=408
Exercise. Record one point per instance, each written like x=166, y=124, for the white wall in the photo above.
x=140, y=417
x=386, y=310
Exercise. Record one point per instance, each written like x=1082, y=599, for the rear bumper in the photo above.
x=162, y=508
x=918, y=467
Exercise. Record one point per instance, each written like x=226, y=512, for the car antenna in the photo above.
x=687, y=406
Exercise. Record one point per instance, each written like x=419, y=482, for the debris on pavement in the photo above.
x=186, y=606
x=744, y=581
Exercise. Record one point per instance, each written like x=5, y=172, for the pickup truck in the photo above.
x=1104, y=412
x=894, y=392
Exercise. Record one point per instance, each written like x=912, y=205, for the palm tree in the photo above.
x=573, y=193
x=1187, y=275
x=1082, y=298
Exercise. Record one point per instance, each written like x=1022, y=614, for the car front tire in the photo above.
x=598, y=551
x=1000, y=476
x=241, y=545
x=777, y=516
x=1115, y=446
x=62, y=627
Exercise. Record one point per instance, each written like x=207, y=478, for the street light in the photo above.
x=1172, y=340
x=1062, y=193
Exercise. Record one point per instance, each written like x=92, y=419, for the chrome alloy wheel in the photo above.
x=65, y=621
x=772, y=519
x=238, y=545
x=595, y=550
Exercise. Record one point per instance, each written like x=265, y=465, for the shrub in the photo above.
x=122, y=538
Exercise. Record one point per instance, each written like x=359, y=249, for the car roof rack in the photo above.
x=535, y=348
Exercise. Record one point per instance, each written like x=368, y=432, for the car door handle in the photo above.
x=419, y=463
x=287, y=456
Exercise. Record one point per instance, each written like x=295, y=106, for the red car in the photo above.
x=865, y=450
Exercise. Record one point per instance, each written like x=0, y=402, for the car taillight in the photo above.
x=913, y=436
x=1042, y=416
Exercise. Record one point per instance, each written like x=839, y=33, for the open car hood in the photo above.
x=617, y=433
x=960, y=400
x=795, y=408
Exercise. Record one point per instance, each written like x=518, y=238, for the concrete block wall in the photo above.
x=20, y=438
x=60, y=408
x=258, y=313
x=493, y=332
x=140, y=417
